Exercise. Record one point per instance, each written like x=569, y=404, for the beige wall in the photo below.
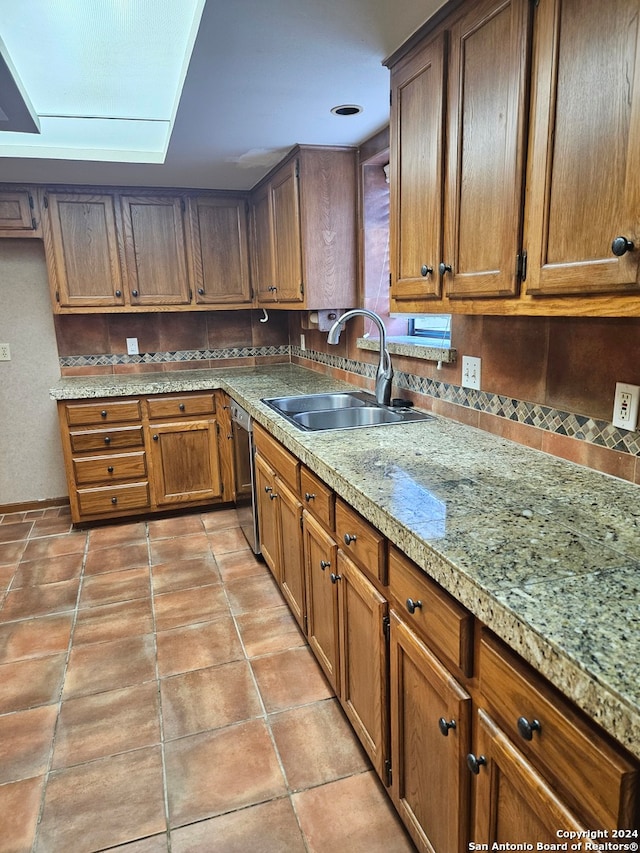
x=31, y=466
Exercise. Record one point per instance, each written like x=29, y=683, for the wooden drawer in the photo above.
x=106, y=439
x=171, y=407
x=443, y=623
x=283, y=463
x=105, y=411
x=117, y=466
x=597, y=779
x=113, y=499
x=364, y=544
x=318, y=498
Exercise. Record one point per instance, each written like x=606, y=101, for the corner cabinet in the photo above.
x=304, y=231
x=19, y=212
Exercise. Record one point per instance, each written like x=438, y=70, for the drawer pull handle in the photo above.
x=324, y=564
x=201, y=291
x=335, y=578
x=118, y=293
x=309, y=496
x=621, y=245
x=268, y=489
x=181, y=407
x=110, y=469
x=156, y=437
x=445, y=725
x=425, y=270
x=135, y=294
x=474, y=762
x=273, y=496
x=114, y=500
x=444, y=268
x=527, y=728
x=103, y=413
x=413, y=605
x=107, y=439
x=349, y=538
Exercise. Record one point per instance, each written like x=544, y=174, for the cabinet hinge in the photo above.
x=387, y=772
x=297, y=172
x=46, y=201
x=57, y=296
x=33, y=222
x=390, y=280
x=521, y=266
x=190, y=295
x=217, y=428
x=183, y=206
x=30, y=201
x=302, y=288
x=390, y=97
x=301, y=523
x=386, y=626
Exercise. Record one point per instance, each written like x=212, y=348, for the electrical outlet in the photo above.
x=132, y=346
x=471, y=372
x=303, y=343
x=625, y=405
x=5, y=352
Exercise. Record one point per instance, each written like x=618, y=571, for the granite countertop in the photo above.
x=544, y=552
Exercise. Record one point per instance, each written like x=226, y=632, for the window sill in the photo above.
x=409, y=347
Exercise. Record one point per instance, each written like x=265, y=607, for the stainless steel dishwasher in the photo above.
x=244, y=463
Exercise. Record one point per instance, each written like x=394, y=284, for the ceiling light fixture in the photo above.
x=346, y=110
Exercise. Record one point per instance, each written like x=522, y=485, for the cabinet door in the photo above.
x=218, y=231
x=320, y=552
x=262, y=245
x=417, y=109
x=291, y=552
x=430, y=738
x=17, y=214
x=267, y=515
x=513, y=803
x=81, y=249
x=154, y=246
x=185, y=462
x=585, y=157
x=486, y=148
x=287, y=251
x=363, y=659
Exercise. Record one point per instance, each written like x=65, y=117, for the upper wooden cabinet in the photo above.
x=303, y=231
x=19, y=213
x=538, y=134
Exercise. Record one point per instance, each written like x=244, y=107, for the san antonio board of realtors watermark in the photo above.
x=569, y=839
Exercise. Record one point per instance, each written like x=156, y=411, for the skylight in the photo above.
x=104, y=76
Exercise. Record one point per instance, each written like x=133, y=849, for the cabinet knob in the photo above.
x=155, y=436
x=412, y=605
x=474, y=762
x=445, y=725
x=114, y=500
x=273, y=496
x=118, y=293
x=268, y=489
x=181, y=407
x=425, y=270
x=201, y=291
x=444, y=268
x=527, y=728
x=272, y=288
x=103, y=413
x=309, y=496
x=135, y=294
x=349, y=538
x=324, y=564
x=334, y=577
x=621, y=245
x=110, y=469
x=107, y=439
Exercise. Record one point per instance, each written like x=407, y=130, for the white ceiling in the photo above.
x=263, y=76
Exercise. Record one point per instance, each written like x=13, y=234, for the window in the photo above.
x=432, y=330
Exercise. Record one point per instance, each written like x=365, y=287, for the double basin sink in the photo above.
x=343, y=410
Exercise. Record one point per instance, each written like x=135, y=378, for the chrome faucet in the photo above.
x=384, y=376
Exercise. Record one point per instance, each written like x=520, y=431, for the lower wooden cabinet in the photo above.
x=321, y=557
x=141, y=455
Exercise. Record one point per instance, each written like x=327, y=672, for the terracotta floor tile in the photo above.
x=26, y=738
x=40, y=600
x=103, y=803
x=115, y=586
x=219, y=519
x=118, y=558
x=239, y=564
x=51, y=570
x=106, y=724
x=113, y=622
x=268, y=828
x=155, y=844
x=108, y=666
x=200, y=571
x=50, y=526
x=29, y=683
x=55, y=546
x=34, y=638
x=270, y=630
x=316, y=745
x=205, y=776
x=131, y=533
x=182, y=525
x=19, y=807
x=289, y=679
x=179, y=548
x=249, y=595
x=198, y=646
x=228, y=539
x=11, y=552
x=188, y=606
x=16, y=532
x=13, y=517
x=351, y=814
x=6, y=576
x=208, y=699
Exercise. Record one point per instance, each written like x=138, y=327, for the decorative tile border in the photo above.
x=172, y=357
x=591, y=430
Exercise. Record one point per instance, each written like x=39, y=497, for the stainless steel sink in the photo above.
x=344, y=410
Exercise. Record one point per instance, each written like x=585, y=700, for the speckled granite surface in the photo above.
x=545, y=552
